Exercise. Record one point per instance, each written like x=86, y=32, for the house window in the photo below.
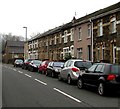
x=65, y=37
x=55, y=40
x=89, y=30
x=98, y=52
x=60, y=38
x=50, y=41
x=79, y=53
x=80, y=34
x=114, y=53
x=100, y=29
x=113, y=25
x=89, y=52
x=103, y=51
x=65, y=51
x=72, y=32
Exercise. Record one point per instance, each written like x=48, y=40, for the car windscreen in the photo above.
x=115, y=69
x=58, y=64
x=19, y=61
x=82, y=64
x=36, y=62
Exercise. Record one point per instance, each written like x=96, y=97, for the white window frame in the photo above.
x=114, y=53
x=89, y=30
x=72, y=35
x=103, y=52
x=79, y=52
x=100, y=28
x=79, y=33
x=55, y=38
x=65, y=37
x=113, y=25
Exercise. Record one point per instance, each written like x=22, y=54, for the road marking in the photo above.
x=28, y=75
x=14, y=69
x=75, y=99
x=41, y=82
x=20, y=72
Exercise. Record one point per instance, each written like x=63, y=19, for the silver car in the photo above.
x=71, y=69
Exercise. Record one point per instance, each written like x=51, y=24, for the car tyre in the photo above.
x=46, y=73
x=80, y=83
x=52, y=74
x=101, y=89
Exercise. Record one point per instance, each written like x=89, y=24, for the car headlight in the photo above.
x=76, y=74
x=56, y=70
x=34, y=66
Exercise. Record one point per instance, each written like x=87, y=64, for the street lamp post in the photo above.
x=25, y=33
x=25, y=53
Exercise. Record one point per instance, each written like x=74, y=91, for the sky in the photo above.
x=41, y=15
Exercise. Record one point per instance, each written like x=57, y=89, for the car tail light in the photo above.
x=75, y=69
x=111, y=77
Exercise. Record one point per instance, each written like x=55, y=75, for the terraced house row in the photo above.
x=92, y=37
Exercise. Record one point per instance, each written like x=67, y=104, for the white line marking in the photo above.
x=14, y=69
x=41, y=82
x=28, y=75
x=67, y=95
x=20, y=72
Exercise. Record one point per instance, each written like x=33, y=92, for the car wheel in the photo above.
x=46, y=73
x=69, y=80
x=101, y=89
x=52, y=74
x=80, y=83
x=31, y=69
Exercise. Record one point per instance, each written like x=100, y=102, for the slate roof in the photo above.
x=16, y=50
x=78, y=21
x=99, y=12
x=15, y=43
x=15, y=46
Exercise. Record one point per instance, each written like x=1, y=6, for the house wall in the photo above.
x=108, y=43
x=84, y=42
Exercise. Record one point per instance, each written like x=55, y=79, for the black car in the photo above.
x=18, y=63
x=54, y=68
x=104, y=76
x=26, y=63
x=34, y=64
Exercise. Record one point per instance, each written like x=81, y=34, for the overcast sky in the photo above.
x=41, y=15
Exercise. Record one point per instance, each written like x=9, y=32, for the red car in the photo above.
x=42, y=68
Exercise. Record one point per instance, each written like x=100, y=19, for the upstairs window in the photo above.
x=100, y=29
x=55, y=40
x=65, y=37
x=72, y=32
x=80, y=34
x=113, y=25
x=89, y=30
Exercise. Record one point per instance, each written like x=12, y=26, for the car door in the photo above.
x=87, y=76
x=64, y=70
x=96, y=74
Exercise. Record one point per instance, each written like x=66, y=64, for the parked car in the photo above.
x=104, y=76
x=54, y=69
x=71, y=69
x=18, y=63
x=26, y=63
x=33, y=65
x=42, y=68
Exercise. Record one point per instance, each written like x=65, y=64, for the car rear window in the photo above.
x=82, y=64
x=58, y=64
x=115, y=69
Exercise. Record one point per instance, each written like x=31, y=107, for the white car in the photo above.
x=71, y=69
